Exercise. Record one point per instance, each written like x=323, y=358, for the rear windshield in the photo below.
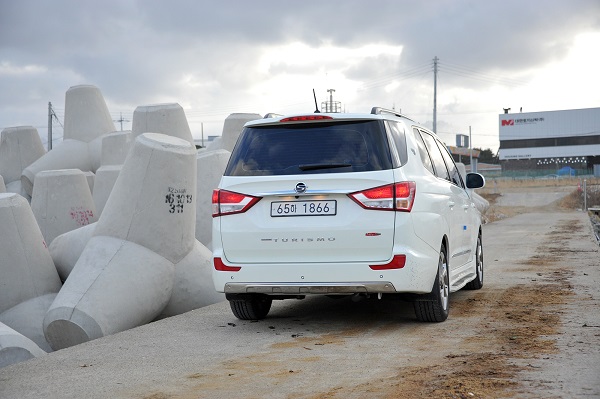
x=324, y=147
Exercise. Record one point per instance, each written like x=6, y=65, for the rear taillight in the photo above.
x=228, y=203
x=398, y=262
x=392, y=197
x=222, y=267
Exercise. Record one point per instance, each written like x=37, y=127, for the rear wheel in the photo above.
x=250, y=307
x=477, y=282
x=435, y=309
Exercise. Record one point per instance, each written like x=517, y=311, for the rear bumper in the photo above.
x=417, y=277
x=308, y=289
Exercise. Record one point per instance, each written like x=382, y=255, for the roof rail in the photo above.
x=379, y=110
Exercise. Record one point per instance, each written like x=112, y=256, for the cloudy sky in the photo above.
x=215, y=58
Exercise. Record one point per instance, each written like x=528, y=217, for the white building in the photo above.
x=550, y=141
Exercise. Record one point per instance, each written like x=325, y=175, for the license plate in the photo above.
x=303, y=208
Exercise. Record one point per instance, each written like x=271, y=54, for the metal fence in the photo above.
x=536, y=173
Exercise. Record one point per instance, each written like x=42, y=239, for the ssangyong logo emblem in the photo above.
x=300, y=188
x=508, y=122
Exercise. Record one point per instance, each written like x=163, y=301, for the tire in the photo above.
x=253, y=307
x=435, y=309
x=477, y=282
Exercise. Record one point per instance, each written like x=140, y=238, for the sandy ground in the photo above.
x=533, y=331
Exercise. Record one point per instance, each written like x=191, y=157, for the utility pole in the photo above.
x=121, y=120
x=50, y=112
x=435, y=72
x=330, y=91
x=473, y=170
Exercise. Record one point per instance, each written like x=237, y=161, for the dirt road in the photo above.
x=533, y=331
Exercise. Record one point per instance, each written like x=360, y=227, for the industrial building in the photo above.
x=550, y=142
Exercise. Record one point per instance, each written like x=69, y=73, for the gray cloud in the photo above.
x=204, y=53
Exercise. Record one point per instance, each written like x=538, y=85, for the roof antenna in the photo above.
x=316, y=106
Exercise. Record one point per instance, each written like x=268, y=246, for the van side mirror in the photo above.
x=475, y=180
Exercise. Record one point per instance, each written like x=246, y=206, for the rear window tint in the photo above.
x=325, y=147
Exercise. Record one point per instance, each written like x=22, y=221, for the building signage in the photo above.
x=521, y=121
x=518, y=156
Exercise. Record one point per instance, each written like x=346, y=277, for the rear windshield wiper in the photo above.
x=316, y=166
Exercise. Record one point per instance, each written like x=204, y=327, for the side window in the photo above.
x=452, y=169
x=436, y=156
x=397, y=131
x=396, y=162
x=423, y=151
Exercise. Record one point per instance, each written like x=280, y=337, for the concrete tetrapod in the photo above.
x=115, y=147
x=211, y=165
x=15, y=348
x=19, y=147
x=62, y=202
x=27, y=318
x=161, y=118
x=2, y=186
x=232, y=127
x=193, y=287
x=26, y=267
x=68, y=247
x=87, y=119
x=125, y=275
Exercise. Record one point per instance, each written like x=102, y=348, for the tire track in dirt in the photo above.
x=515, y=325
x=518, y=325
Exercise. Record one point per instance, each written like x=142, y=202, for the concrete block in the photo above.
x=62, y=202
x=86, y=114
x=17, y=188
x=86, y=120
x=106, y=177
x=2, y=186
x=125, y=275
x=26, y=268
x=193, y=287
x=167, y=119
x=27, y=318
x=210, y=165
x=15, y=348
x=90, y=177
x=115, y=285
x=70, y=154
x=19, y=147
x=115, y=147
x=151, y=203
x=232, y=127
x=68, y=247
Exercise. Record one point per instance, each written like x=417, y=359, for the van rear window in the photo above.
x=324, y=147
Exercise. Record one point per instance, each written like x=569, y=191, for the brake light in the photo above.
x=305, y=118
x=397, y=262
x=392, y=197
x=222, y=267
x=228, y=203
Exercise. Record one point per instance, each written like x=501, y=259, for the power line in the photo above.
x=467, y=72
x=407, y=74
